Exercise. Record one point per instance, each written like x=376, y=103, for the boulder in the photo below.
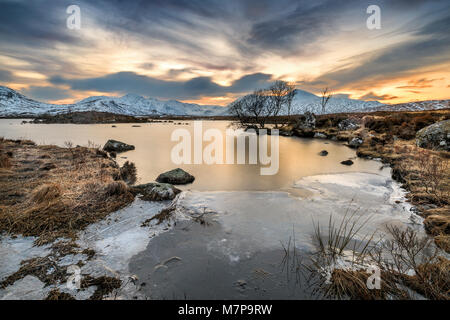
x=176, y=176
x=355, y=142
x=348, y=124
x=347, y=162
x=435, y=136
x=155, y=191
x=308, y=123
x=323, y=153
x=117, y=146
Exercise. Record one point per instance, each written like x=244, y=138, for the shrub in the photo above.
x=116, y=188
x=128, y=172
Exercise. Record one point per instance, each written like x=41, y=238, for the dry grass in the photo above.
x=128, y=173
x=352, y=284
x=81, y=187
x=55, y=294
x=409, y=265
x=44, y=268
x=5, y=162
x=105, y=285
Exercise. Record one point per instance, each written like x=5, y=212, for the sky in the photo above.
x=213, y=51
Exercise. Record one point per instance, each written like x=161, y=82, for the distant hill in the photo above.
x=14, y=104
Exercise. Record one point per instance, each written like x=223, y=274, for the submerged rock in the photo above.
x=347, y=162
x=435, y=136
x=176, y=176
x=117, y=146
x=323, y=153
x=156, y=191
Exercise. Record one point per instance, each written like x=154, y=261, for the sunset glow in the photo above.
x=146, y=49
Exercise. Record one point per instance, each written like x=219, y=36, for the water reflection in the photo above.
x=297, y=157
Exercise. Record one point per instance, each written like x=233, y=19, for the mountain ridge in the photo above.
x=15, y=104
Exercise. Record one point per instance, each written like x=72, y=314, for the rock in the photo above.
x=323, y=153
x=155, y=191
x=309, y=123
x=435, y=136
x=320, y=135
x=355, y=142
x=348, y=124
x=347, y=162
x=113, y=155
x=176, y=176
x=117, y=146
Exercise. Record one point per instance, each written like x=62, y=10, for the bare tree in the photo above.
x=281, y=94
x=253, y=108
x=326, y=95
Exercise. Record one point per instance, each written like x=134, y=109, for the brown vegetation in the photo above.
x=128, y=173
x=55, y=294
x=78, y=186
x=390, y=136
x=105, y=285
x=409, y=265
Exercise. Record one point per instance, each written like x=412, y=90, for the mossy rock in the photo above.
x=156, y=191
x=176, y=176
x=436, y=136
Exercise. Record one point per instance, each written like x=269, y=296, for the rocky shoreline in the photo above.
x=415, y=144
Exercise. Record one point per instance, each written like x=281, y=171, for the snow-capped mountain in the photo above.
x=414, y=106
x=15, y=104
x=305, y=101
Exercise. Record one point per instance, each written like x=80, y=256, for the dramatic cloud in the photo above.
x=371, y=96
x=190, y=49
x=419, y=84
x=46, y=93
x=130, y=82
x=398, y=59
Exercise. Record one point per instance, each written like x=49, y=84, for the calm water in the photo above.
x=238, y=253
x=297, y=157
